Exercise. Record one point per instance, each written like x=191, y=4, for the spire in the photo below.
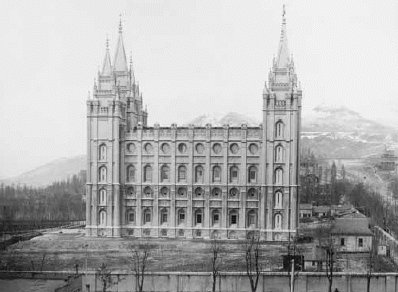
x=107, y=67
x=282, y=59
x=120, y=61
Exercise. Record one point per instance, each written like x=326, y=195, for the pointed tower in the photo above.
x=120, y=61
x=107, y=66
x=281, y=138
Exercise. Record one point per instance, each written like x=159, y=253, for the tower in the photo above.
x=281, y=138
x=115, y=109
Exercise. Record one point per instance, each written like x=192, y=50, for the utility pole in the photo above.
x=292, y=277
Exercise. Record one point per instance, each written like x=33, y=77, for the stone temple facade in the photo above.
x=191, y=182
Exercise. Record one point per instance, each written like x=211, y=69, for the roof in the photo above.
x=305, y=206
x=322, y=209
x=351, y=226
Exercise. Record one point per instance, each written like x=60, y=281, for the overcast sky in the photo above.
x=190, y=57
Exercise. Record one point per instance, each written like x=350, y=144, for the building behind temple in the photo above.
x=191, y=182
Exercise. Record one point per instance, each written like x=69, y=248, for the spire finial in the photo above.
x=120, y=23
x=107, y=43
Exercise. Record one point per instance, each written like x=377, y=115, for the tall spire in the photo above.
x=120, y=61
x=107, y=67
x=282, y=59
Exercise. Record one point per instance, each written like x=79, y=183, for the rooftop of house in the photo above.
x=351, y=226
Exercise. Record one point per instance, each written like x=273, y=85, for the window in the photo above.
x=102, y=174
x=130, y=191
x=163, y=216
x=216, y=193
x=216, y=217
x=200, y=148
x=233, y=174
x=102, y=197
x=182, y=192
x=233, y=217
x=252, y=174
x=342, y=241
x=279, y=153
x=165, y=148
x=278, y=222
x=199, y=174
x=164, y=191
x=233, y=193
x=102, y=218
x=181, y=216
x=251, y=218
x=216, y=174
x=252, y=194
x=234, y=148
x=147, y=216
x=360, y=242
x=130, y=217
x=148, y=191
x=199, y=192
x=131, y=173
x=148, y=148
x=253, y=148
x=217, y=148
x=102, y=152
x=164, y=173
x=182, y=147
x=279, y=176
x=279, y=129
x=278, y=200
x=198, y=217
x=182, y=173
x=147, y=173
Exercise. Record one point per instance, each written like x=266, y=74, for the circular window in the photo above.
x=252, y=193
x=131, y=147
x=164, y=191
x=148, y=148
x=148, y=191
x=182, y=192
x=233, y=193
x=216, y=192
x=234, y=148
x=165, y=148
x=200, y=148
x=217, y=148
x=130, y=191
x=182, y=147
x=199, y=192
x=253, y=148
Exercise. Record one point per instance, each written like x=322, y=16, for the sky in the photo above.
x=190, y=58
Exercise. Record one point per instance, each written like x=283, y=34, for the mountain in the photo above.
x=218, y=120
x=57, y=170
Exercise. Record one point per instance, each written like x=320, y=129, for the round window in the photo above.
x=131, y=147
x=164, y=191
x=199, y=192
x=217, y=148
x=234, y=148
x=165, y=148
x=200, y=148
x=182, y=147
x=253, y=148
x=148, y=148
x=182, y=192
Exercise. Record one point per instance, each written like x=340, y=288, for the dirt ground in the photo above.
x=63, y=250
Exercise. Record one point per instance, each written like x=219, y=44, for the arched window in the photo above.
x=215, y=217
x=234, y=174
x=278, y=200
x=278, y=222
x=182, y=173
x=199, y=174
x=102, y=218
x=130, y=173
x=279, y=153
x=102, y=174
x=164, y=173
x=279, y=176
x=198, y=216
x=252, y=218
x=181, y=216
x=102, y=197
x=130, y=216
x=147, y=173
x=147, y=216
x=233, y=218
x=164, y=216
x=102, y=152
x=279, y=129
x=216, y=174
x=252, y=174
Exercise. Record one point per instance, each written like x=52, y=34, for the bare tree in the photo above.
x=371, y=264
x=105, y=276
x=293, y=251
x=325, y=241
x=216, y=260
x=252, y=255
x=139, y=259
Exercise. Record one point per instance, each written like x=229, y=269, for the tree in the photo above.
x=105, y=276
x=139, y=259
x=293, y=251
x=216, y=250
x=325, y=241
x=252, y=255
